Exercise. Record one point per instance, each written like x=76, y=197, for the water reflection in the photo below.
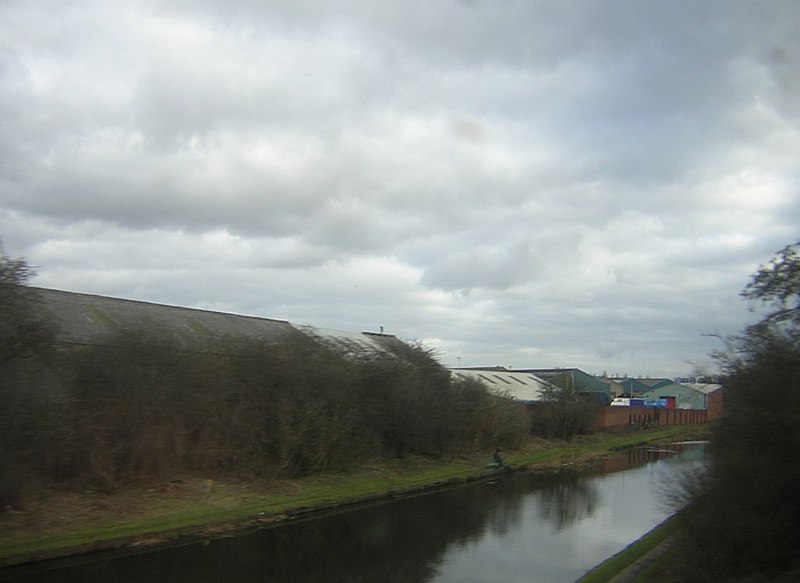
x=539, y=527
x=572, y=498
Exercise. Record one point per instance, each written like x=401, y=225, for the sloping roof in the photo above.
x=586, y=382
x=352, y=344
x=523, y=387
x=635, y=386
x=86, y=319
x=705, y=388
x=700, y=388
x=613, y=384
x=670, y=388
x=654, y=383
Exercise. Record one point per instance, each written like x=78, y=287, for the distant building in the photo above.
x=687, y=396
x=583, y=382
x=655, y=383
x=634, y=387
x=87, y=319
x=519, y=386
x=615, y=388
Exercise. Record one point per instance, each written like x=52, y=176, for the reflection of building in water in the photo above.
x=639, y=456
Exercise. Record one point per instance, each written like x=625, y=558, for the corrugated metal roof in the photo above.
x=86, y=319
x=705, y=388
x=585, y=382
x=652, y=382
x=523, y=387
x=346, y=341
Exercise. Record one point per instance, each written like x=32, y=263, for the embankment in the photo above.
x=58, y=524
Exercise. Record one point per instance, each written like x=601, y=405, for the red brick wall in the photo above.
x=714, y=405
x=626, y=417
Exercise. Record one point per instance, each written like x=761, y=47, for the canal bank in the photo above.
x=633, y=560
x=189, y=509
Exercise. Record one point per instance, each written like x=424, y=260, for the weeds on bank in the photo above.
x=197, y=507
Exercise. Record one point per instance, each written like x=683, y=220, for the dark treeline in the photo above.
x=140, y=405
x=743, y=514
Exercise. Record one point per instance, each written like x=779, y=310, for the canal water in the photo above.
x=520, y=527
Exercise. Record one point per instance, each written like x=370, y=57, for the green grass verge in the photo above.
x=604, y=443
x=317, y=491
x=608, y=569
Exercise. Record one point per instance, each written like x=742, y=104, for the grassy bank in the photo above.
x=62, y=523
x=631, y=554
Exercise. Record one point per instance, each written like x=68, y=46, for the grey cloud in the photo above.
x=490, y=267
x=580, y=181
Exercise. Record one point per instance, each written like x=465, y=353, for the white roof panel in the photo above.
x=519, y=386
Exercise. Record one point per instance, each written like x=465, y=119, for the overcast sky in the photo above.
x=531, y=184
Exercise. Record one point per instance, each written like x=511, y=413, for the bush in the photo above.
x=142, y=404
x=565, y=412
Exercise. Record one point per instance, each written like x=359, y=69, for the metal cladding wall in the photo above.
x=685, y=396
